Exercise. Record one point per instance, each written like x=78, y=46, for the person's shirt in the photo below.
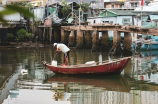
x=63, y=48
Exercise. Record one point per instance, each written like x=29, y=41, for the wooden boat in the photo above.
x=110, y=83
x=106, y=67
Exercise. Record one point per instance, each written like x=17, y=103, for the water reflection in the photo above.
x=82, y=88
x=114, y=83
x=137, y=84
x=145, y=66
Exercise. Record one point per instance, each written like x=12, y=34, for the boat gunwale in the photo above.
x=96, y=64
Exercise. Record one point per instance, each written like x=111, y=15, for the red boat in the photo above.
x=105, y=67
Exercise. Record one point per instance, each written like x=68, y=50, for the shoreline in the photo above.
x=22, y=45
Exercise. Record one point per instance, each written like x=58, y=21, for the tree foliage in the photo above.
x=66, y=8
x=22, y=34
x=85, y=7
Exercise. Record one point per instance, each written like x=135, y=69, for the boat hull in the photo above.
x=112, y=67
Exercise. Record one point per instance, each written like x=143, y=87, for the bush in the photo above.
x=22, y=34
x=29, y=36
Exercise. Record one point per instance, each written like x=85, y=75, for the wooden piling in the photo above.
x=88, y=39
x=63, y=36
x=71, y=40
x=127, y=43
x=79, y=39
x=44, y=31
x=57, y=34
x=95, y=41
x=50, y=35
x=105, y=41
x=40, y=33
x=116, y=42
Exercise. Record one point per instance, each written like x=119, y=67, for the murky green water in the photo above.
x=137, y=84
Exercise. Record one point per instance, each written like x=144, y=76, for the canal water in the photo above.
x=137, y=84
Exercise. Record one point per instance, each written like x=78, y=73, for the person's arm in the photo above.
x=55, y=52
x=58, y=50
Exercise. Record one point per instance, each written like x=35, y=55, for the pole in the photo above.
x=79, y=11
x=72, y=10
x=79, y=16
x=141, y=16
x=47, y=8
x=142, y=4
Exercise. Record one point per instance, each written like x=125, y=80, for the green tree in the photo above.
x=66, y=8
x=29, y=36
x=85, y=7
x=21, y=34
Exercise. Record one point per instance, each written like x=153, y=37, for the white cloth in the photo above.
x=62, y=47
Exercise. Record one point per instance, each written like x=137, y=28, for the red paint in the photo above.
x=114, y=67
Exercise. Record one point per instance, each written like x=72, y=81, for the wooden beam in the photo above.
x=121, y=28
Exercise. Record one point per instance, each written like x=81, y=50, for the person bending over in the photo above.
x=60, y=47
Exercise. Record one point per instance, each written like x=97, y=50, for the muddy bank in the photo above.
x=21, y=45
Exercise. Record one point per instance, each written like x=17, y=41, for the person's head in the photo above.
x=54, y=45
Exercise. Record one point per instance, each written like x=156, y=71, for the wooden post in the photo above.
x=127, y=43
x=88, y=39
x=105, y=41
x=39, y=33
x=62, y=35
x=50, y=35
x=95, y=41
x=116, y=42
x=57, y=34
x=71, y=40
x=44, y=35
x=79, y=39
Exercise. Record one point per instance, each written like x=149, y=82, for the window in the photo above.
x=134, y=5
x=94, y=22
x=120, y=6
x=126, y=21
x=104, y=6
x=105, y=21
x=112, y=6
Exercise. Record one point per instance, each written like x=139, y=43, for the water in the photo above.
x=137, y=84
